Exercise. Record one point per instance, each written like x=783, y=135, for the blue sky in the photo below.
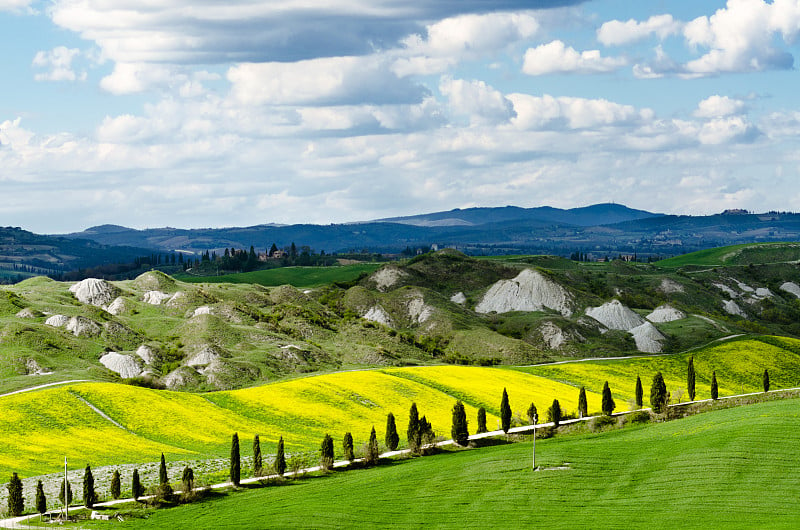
x=196, y=114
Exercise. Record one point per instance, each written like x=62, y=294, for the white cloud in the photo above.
x=616, y=32
x=58, y=61
x=14, y=5
x=130, y=78
x=725, y=130
x=548, y=112
x=556, y=57
x=453, y=40
x=482, y=103
x=717, y=106
x=740, y=36
x=334, y=80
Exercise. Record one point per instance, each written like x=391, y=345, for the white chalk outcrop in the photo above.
x=155, y=297
x=378, y=314
x=418, y=310
x=125, y=365
x=94, y=291
x=203, y=357
x=203, y=310
x=387, y=277
x=552, y=335
x=83, y=327
x=146, y=353
x=763, y=292
x=458, y=298
x=744, y=287
x=118, y=306
x=648, y=338
x=178, y=299
x=665, y=313
x=57, y=321
x=670, y=286
x=529, y=291
x=614, y=315
x=730, y=292
x=732, y=308
x=791, y=288
x=28, y=313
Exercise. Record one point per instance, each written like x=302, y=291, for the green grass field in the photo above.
x=752, y=253
x=733, y=468
x=39, y=428
x=300, y=277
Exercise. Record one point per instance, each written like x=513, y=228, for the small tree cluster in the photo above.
x=65, y=500
x=459, y=430
x=554, y=413
x=533, y=414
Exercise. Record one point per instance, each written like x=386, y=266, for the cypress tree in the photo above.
x=115, y=485
x=162, y=472
x=371, y=457
x=554, y=413
x=392, y=439
x=61, y=497
x=505, y=412
x=347, y=447
x=16, y=501
x=235, y=461
x=765, y=381
x=481, y=420
x=658, y=394
x=714, y=389
x=41, y=500
x=532, y=414
x=459, y=431
x=608, y=404
x=413, y=432
x=89, y=495
x=690, y=378
x=280, y=458
x=136, y=486
x=326, y=453
x=639, y=392
x=257, y=461
x=187, y=480
x=583, y=407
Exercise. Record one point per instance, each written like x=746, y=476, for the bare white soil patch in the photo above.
x=648, y=338
x=28, y=313
x=418, y=310
x=732, y=308
x=378, y=314
x=57, y=321
x=83, y=327
x=125, y=365
x=791, y=288
x=203, y=310
x=529, y=291
x=155, y=297
x=146, y=353
x=553, y=335
x=614, y=315
x=387, y=277
x=665, y=313
x=94, y=292
x=118, y=306
x=670, y=286
x=730, y=292
x=458, y=298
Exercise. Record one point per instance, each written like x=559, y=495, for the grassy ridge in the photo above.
x=38, y=428
x=752, y=253
x=739, y=365
x=300, y=277
x=698, y=472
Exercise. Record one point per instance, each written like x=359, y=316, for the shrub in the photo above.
x=280, y=458
x=583, y=407
x=765, y=381
x=640, y=416
x=459, y=430
x=41, y=500
x=68, y=499
x=533, y=414
x=554, y=413
x=258, y=463
x=372, y=453
x=89, y=495
x=481, y=420
x=658, y=394
x=236, y=464
x=608, y=404
x=137, y=490
x=690, y=377
x=16, y=502
x=714, y=388
x=599, y=422
x=639, y=392
x=326, y=453
x=115, y=485
x=413, y=432
x=347, y=447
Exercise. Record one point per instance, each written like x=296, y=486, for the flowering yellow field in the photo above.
x=39, y=428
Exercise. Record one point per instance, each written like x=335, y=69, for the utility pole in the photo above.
x=535, y=421
x=66, y=491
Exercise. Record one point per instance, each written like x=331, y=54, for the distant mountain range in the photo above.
x=598, y=230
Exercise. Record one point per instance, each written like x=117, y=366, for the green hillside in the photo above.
x=299, y=277
x=752, y=253
x=724, y=469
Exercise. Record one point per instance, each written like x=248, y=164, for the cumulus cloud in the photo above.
x=452, y=40
x=58, y=63
x=726, y=130
x=739, y=37
x=717, y=106
x=14, y=5
x=617, y=33
x=534, y=112
x=556, y=57
x=482, y=103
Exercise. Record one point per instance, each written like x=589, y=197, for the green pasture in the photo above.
x=300, y=277
x=751, y=253
x=732, y=468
